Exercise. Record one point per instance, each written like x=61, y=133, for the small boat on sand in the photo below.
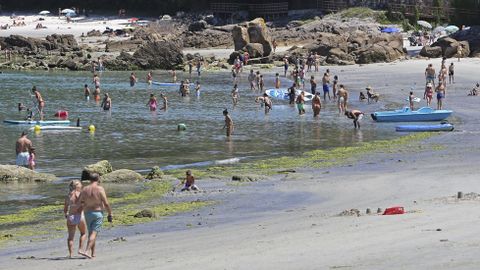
x=35, y=122
x=424, y=114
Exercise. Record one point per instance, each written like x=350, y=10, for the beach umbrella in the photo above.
x=390, y=30
x=451, y=29
x=67, y=10
x=425, y=24
x=438, y=29
x=44, y=12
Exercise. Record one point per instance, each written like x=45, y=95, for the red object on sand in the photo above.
x=396, y=210
x=61, y=114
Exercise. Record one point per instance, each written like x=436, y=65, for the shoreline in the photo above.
x=291, y=221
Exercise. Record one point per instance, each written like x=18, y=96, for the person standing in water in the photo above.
x=430, y=74
x=261, y=83
x=86, y=92
x=74, y=217
x=31, y=159
x=277, y=81
x=152, y=103
x=149, y=78
x=199, y=67
x=173, y=73
x=301, y=103
x=411, y=99
x=106, y=103
x=93, y=200
x=235, y=95
x=285, y=66
x=268, y=103
x=316, y=105
x=334, y=87
x=228, y=123
x=197, y=88
x=96, y=80
x=22, y=149
x=133, y=79
x=96, y=93
x=428, y=95
x=326, y=89
x=251, y=80
x=291, y=94
x=190, y=67
x=165, y=102
x=313, y=85
x=39, y=100
x=356, y=115
x=342, y=99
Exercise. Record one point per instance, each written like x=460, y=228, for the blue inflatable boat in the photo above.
x=423, y=128
x=425, y=114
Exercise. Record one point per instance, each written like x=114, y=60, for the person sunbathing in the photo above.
x=474, y=91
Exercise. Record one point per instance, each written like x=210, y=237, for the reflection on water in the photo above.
x=132, y=137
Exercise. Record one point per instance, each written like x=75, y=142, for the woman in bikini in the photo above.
x=74, y=216
x=152, y=103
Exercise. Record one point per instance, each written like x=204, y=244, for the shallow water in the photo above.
x=132, y=137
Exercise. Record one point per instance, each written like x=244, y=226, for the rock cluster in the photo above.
x=254, y=38
x=448, y=46
x=356, y=47
x=12, y=173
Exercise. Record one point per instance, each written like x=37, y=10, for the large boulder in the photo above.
x=240, y=37
x=472, y=37
x=123, y=45
x=450, y=47
x=65, y=41
x=258, y=33
x=101, y=167
x=121, y=176
x=431, y=52
x=159, y=55
x=12, y=173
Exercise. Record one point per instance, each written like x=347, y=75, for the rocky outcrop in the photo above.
x=102, y=167
x=470, y=36
x=94, y=33
x=450, y=46
x=250, y=37
x=431, y=52
x=207, y=39
x=12, y=173
x=159, y=55
x=121, y=176
x=338, y=57
x=240, y=37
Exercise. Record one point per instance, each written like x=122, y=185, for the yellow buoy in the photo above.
x=37, y=128
x=91, y=128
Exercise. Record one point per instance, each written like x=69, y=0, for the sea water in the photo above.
x=132, y=137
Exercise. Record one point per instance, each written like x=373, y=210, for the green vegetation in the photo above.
x=380, y=16
x=466, y=12
x=46, y=222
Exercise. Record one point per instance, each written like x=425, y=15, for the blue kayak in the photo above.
x=35, y=122
x=425, y=114
x=423, y=128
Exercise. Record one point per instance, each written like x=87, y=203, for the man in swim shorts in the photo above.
x=326, y=89
x=342, y=99
x=356, y=115
x=22, y=148
x=430, y=74
x=93, y=200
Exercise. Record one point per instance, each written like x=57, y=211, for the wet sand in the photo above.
x=291, y=222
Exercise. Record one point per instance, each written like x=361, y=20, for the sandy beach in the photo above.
x=291, y=221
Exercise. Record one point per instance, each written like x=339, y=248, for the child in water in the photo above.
x=189, y=182
x=31, y=159
x=197, y=89
x=152, y=103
